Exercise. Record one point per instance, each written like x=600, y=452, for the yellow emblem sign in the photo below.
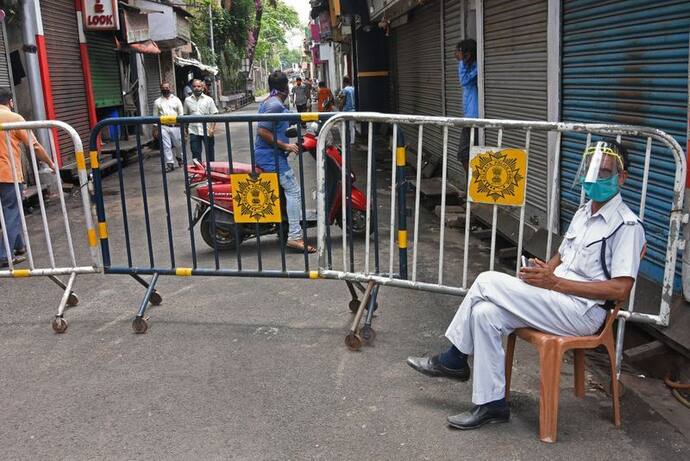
x=497, y=176
x=256, y=200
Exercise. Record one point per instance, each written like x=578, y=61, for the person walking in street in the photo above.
x=466, y=54
x=200, y=104
x=267, y=159
x=170, y=137
x=596, y=264
x=300, y=95
x=348, y=94
x=11, y=206
x=325, y=94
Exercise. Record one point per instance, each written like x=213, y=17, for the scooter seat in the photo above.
x=238, y=167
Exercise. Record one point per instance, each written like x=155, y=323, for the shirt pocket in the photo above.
x=588, y=261
x=567, y=247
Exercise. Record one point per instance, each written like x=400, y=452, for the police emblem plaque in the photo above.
x=497, y=176
x=256, y=199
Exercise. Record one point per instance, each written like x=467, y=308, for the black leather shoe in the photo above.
x=430, y=366
x=479, y=416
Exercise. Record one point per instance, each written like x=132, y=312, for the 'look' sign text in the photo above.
x=101, y=15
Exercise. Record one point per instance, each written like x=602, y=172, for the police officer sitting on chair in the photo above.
x=596, y=262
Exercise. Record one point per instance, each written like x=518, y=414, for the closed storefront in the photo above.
x=5, y=67
x=515, y=85
x=627, y=62
x=105, y=70
x=153, y=80
x=453, y=18
x=65, y=68
x=418, y=73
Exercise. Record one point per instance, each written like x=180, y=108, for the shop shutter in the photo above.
x=66, y=75
x=153, y=80
x=419, y=74
x=105, y=69
x=515, y=75
x=452, y=34
x=627, y=62
x=5, y=68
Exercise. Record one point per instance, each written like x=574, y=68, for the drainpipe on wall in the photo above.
x=31, y=15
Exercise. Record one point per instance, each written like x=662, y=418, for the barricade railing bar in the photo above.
x=44, y=259
x=147, y=231
x=442, y=282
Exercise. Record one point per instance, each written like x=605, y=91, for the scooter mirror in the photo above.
x=291, y=132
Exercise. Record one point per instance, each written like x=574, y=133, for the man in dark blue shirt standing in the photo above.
x=466, y=54
x=269, y=160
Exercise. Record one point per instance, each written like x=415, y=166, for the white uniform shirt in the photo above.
x=203, y=105
x=168, y=106
x=581, y=247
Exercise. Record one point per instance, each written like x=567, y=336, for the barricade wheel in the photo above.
x=73, y=300
x=59, y=325
x=353, y=342
x=354, y=305
x=367, y=333
x=156, y=299
x=140, y=325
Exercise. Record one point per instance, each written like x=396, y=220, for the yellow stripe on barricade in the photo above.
x=93, y=241
x=93, y=155
x=402, y=239
x=400, y=159
x=103, y=230
x=21, y=273
x=81, y=161
x=168, y=119
x=313, y=275
x=183, y=271
x=309, y=116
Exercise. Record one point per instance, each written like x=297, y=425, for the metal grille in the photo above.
x=515, y=75
x=627, y=62
x=452, y=34
x=105, y=69
x=5, y=73
x=153, y=80
x=418, y=73
x=64, y=63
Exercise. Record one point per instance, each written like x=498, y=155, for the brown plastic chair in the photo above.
x=551, y=349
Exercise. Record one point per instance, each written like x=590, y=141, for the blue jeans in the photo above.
x=196, y=144
x=293, y=203
x=11, y=211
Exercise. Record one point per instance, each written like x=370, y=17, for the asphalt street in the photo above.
x=256, y=368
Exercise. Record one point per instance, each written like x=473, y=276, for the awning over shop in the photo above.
x=145, y=47
x=184, y=62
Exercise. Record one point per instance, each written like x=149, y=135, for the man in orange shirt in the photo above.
x=8, y=198
x=325, y=95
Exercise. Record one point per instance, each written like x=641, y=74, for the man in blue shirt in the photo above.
x=272, y=159
x=466, y=54
x=349, y=104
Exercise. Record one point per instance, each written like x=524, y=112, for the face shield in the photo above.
x=600, y=161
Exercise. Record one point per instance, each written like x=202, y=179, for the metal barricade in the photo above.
x=45, y=259
x=148, y=216
x=439, y=282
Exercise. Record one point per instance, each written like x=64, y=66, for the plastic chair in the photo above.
x=551, y=349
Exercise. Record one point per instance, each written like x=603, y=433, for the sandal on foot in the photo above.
x=299, y=245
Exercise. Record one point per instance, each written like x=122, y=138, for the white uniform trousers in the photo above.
x=497, y=304
x=171, y=138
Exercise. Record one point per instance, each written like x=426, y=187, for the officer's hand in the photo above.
x=291, y=148
x=539, y=275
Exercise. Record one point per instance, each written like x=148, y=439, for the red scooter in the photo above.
x=227, y=231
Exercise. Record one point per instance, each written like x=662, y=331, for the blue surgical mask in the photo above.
x=601, y=190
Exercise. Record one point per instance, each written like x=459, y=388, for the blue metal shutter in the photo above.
x=627, y=62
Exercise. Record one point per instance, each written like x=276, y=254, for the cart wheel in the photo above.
x=59, y=325
x=72, y=300
x=353, y=342
x=368, y=334
x=354, y=305
x=140, y=325
x=156, y=299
